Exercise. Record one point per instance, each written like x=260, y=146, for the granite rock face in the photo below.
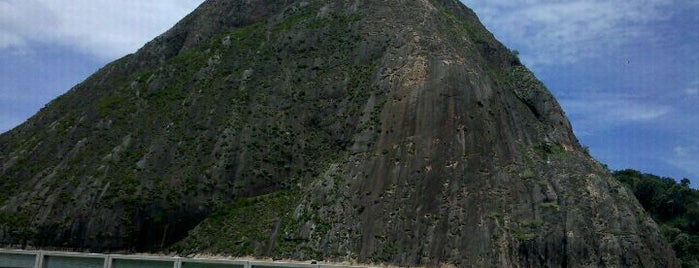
x=393, y=132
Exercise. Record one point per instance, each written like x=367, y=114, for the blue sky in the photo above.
x=625, y=72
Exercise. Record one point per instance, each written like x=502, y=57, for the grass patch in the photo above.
x=525, y=237
x=251, y=226
x=550, y=205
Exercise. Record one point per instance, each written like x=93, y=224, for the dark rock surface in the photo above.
x=371, y=131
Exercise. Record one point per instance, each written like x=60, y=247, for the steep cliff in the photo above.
x=373, y=131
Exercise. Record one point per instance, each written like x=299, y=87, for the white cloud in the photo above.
x=691, y=91
x=681, y=151
x=104, y=28
x=19, y=19
x=8, y=40
x=686, y=158
x=592, y=111
x=561, y=32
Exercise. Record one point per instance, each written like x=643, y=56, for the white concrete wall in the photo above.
x=23, y=259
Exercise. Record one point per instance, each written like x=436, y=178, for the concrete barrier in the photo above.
x=18, y=259
x=10, y=258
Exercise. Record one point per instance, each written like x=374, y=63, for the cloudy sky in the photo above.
x=48, y=46
x=626, y=72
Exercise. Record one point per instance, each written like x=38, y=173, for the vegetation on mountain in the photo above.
x=674, y=205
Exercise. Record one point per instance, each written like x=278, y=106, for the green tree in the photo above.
x=674, y=206
x=16, y=227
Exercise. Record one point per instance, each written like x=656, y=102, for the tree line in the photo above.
x=674, y=205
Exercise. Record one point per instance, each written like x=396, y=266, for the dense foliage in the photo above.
x=675, y=206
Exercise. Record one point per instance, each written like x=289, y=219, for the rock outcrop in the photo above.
x=393, y=132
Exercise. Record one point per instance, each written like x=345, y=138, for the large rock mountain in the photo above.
x=353, y=130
